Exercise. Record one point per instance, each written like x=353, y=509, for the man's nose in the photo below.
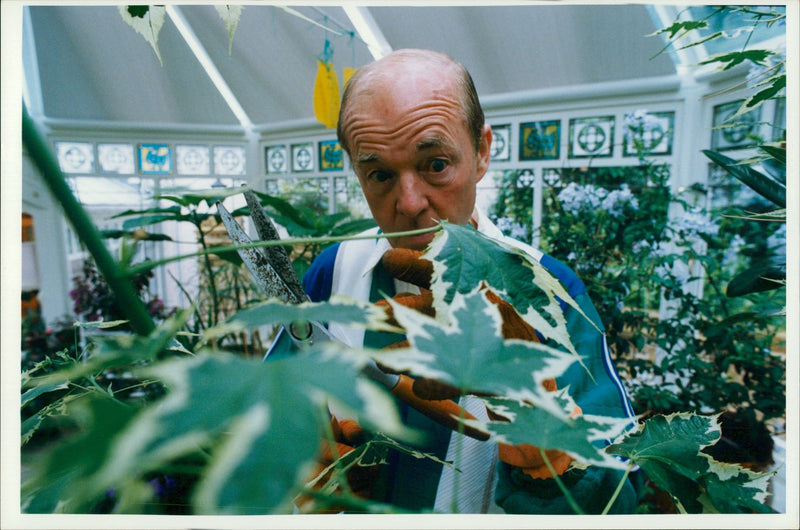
x=411, y=199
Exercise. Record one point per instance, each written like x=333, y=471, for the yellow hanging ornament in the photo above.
x=326, y=95
x=347, y=74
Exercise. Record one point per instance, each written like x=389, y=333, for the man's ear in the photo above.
x=484, y=152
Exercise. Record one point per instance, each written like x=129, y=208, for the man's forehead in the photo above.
x=431, y=142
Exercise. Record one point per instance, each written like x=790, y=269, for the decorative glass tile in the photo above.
x=155, y=159
x=272, y=186
x=331, y=157
x=552, y=178
x=739, y=132
x=501, y=142
x=591, y=137
x=229, y=160
x=276, y=159
x=192, y=160
x=75, y=157
x=648, y=133
x=340, y=184
x=525, y=179
x=540, y=140
x=116, y=158
x=303, y=157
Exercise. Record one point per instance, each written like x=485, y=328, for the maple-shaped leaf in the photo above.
x=230, y=15
x=668, y=450
x=120, y=350
x=470, y=353
x=581, y=436
x=146, y=22
x=271, y=420
x=463, y=258
x=339, y=309
x=245, y=415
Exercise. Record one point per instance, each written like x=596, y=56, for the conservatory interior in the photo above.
x=643, y=145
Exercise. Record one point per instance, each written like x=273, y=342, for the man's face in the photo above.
x=412, y=153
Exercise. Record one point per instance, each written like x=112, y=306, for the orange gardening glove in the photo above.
x=347, y=434
x=407, y=265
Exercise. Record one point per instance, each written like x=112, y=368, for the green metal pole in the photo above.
x=127, y=298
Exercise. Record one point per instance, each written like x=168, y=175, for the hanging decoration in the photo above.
x=326, y=89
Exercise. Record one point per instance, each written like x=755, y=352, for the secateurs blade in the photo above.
x=272, y=270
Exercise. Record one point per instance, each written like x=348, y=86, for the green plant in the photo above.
x=224, y=287
x=265, y=419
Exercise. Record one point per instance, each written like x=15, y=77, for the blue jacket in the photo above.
x=418, y=485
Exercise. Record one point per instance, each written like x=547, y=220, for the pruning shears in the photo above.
x=272, y=270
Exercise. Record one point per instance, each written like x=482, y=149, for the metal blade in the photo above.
x=256, y=261
x=278, y=256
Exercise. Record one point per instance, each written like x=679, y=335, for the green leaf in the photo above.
x=119, y=350
x=139, y=235
x=464, y=258
x=211, y=195
x=576, y=436
x=778, y=153
x=681, y=27
x=37, y=391
x=286, y=209
x=338, y=309
x=470, y=353
x=249, y=419
x=63, y=482
x=668, y=450
x=771, y=91
x=147, y=21
x=138, y=11
x=170, y=210
x=765, y=186
x=731, y=59
x=230, y=16
x=734, y=489
x=765, y=276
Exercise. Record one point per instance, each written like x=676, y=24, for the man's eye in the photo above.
x=437, y=165
x=380, y=176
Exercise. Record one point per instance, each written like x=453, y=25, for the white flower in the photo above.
x=576, y=198
x=614, y=203
x=693, y=223
x=504, y=224
x=518, y=231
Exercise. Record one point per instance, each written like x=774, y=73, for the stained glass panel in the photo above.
x=75, y=157
x=192, y=160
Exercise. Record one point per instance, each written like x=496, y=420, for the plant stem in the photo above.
x=209, y=270
x=129, y=302
x=147, y=265
x=618, y=490
x=567, y=495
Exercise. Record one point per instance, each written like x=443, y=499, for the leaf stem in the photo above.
x=120, y=285
x=618, y=489
x=567, y=495
x=146, y=266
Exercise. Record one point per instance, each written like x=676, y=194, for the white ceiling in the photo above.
x=92, y=66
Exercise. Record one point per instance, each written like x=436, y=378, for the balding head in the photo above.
x=410, y=64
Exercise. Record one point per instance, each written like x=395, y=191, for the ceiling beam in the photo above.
x=368, y=30
x=208, y=65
